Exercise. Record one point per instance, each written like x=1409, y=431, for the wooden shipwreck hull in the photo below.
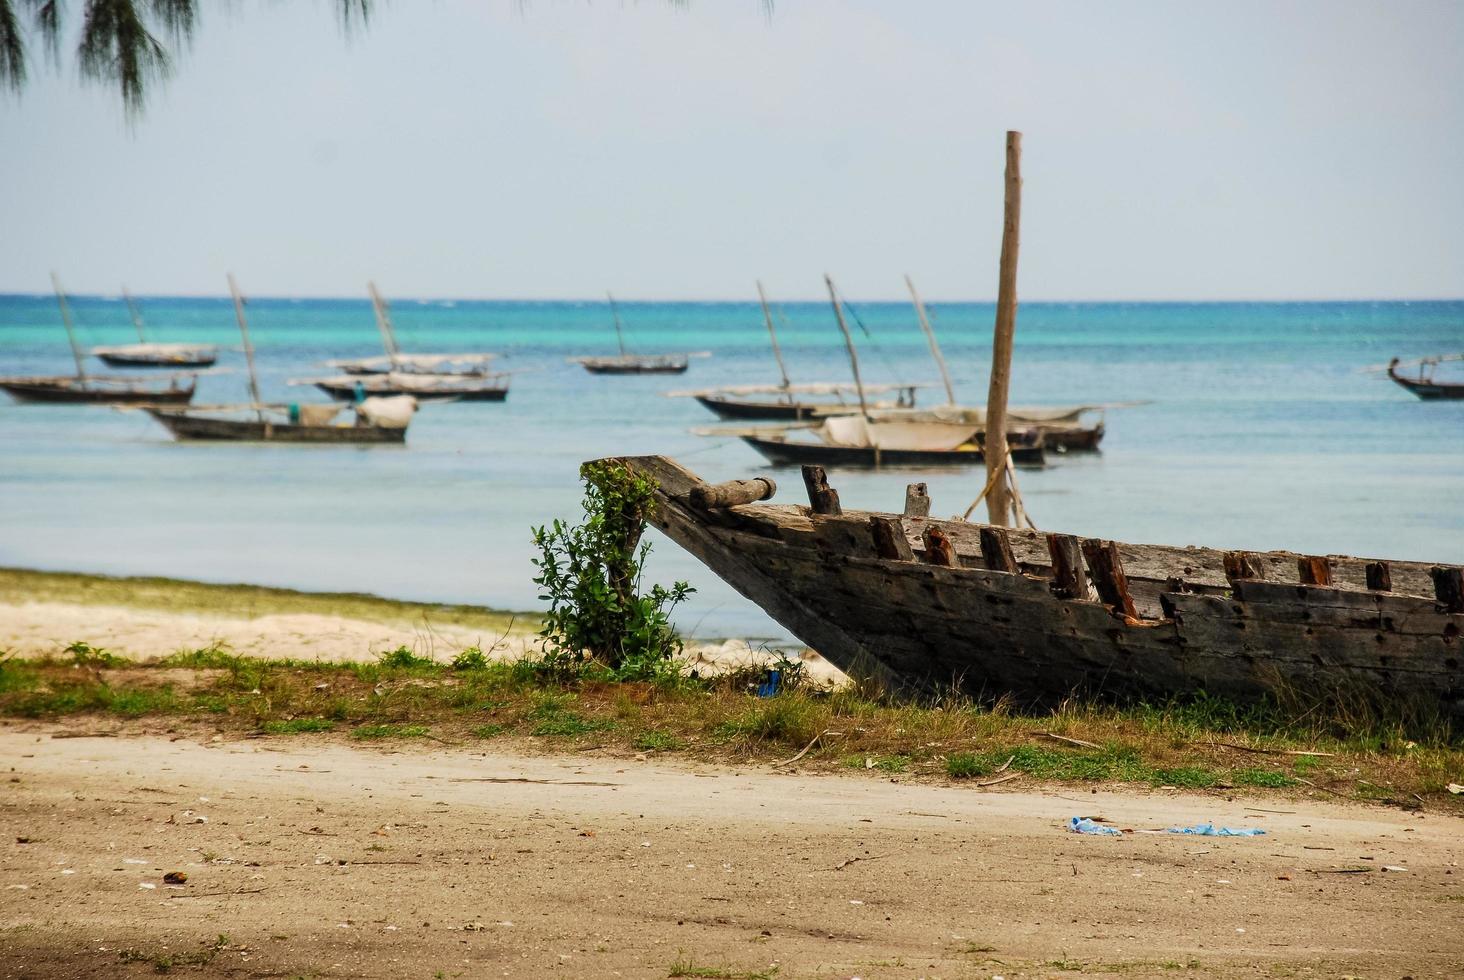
x=923, y=603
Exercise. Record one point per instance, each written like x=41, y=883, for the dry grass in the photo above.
x=1203, y=744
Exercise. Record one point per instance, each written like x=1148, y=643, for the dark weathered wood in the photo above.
x=1449, y=588
x=996, y=550
x=1069, y=581
x=1379, y=576
x=733, y=492
x=938, y=548
x=1106, y=568
x=1242, y=566
x=1313, y=570
x=823, y=498
x=889, y=538
x=917, y=500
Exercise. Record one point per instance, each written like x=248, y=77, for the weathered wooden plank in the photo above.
x=732, y=493
x=917, y=500
x=889, y=538
x=996, y=550
x=1243, y=566
x=1449, y=588
x=1312, y=570
x=938, y=548
x=823, y=498
x=1108, y=577
x=1069, y=581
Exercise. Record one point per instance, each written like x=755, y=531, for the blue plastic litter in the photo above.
x=1210, y=830
x=771, y=685
x=1082, y=825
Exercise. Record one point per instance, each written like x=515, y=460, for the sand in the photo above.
x=323, y=859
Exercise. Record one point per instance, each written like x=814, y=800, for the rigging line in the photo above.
x=874, y=344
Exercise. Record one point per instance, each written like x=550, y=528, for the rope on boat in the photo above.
x=1023, y=519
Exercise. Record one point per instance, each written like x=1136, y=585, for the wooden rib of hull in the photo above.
x=196, y=427
x=994, y=633
x=73, y=391
x=1428, y=390
x=798, y=453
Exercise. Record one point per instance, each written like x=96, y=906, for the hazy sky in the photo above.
x=491, y=148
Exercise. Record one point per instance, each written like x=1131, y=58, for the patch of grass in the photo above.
x=487, y=731
x=391, y=731
x=1264, y=778
x=214, y=657
x=402, y=658
x=567, y=724
x=685, y=966
x=1185, y=777
x=471, y=658
x=298, y=726
x=654, y=741
x=165, y=962
x=16, y=675
x=85, y=655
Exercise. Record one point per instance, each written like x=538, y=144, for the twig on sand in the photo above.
x=804, y=750
x=1251, y=748
x=848, y=861
x=1070, y=741
x=242, y=891
x=1002, y=779
x=83, y=734
x=1004, y=765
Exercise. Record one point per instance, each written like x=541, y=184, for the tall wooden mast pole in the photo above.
x=945, y=374
x=615, y=314
x=848, y=344
x=999, y=500
x=383, y=323
x=66, y=322
x=248, y=346
x=773, y=335
x=133, y=312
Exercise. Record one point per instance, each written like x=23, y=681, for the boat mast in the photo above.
x=66, y=322
x=999, y=500
x=248, y=347
x=945, y=374
x=773, y=335
x=615, y=313
x=136, y=316
x=383, y=323
x=849, y=344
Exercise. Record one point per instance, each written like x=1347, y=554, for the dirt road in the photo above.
x=326, y=860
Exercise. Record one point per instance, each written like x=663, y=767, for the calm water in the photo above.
x=1260, y=432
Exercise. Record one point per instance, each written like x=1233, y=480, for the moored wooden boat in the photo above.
x=473, y=365
x=158, y=355
x=796, y=402
x=274, y=423
x=423, y=387
x=922, y=603
x=93, y=390
x=635, y=364
x=824, y=445
x=1424, y=386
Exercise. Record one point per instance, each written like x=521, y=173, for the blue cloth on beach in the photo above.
x=1210, y=830
x=1082, y=825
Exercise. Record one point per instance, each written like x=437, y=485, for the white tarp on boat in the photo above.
x=855, y=431
x=319, y=414
x=389, y=412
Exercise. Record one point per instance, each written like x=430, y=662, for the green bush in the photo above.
x=590, y=574
x=470, y=659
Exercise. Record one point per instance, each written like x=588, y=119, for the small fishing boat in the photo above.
x=377, y=420
x=1424, y=386
x=730, y=402
x=425, y=377
x=144, y=354
x=423, y=387
x=921, y=604
x=627, y=363
x=87, y=389
x=856, y=441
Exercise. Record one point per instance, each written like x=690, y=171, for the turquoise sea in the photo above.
x=1259, y=431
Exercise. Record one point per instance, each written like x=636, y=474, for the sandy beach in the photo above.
x=324, y=860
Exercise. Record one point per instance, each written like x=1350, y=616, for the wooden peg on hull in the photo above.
x=823, y=498
x=996, y=550
x=1379, y=576
x=1243, y=565
x=917, y=500
x=1106, y=567
x=1448, y=588
x=1313, y=570
x=889, y=538
x=1068, y=578
x=732, y=493
x=938, y=548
